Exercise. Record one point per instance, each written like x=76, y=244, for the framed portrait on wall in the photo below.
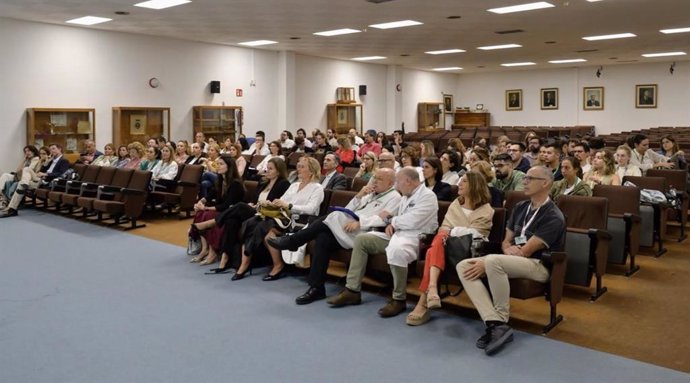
x=514, y=99
x=549, y=98
x=646, y=96
x=447, y=103
x=593, y=98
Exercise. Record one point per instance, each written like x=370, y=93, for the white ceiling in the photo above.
x=232, y=21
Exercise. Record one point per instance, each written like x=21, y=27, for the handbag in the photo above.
x=193, y=246
x=281, y=215
x=458, y=249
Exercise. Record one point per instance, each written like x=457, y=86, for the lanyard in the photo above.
x=525, y=223
x=376, y=197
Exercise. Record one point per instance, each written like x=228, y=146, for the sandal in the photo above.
x=418, y=320
x=433, y=301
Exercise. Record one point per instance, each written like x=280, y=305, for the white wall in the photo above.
x=420, y=86
x=56, y=66
x=619, y=82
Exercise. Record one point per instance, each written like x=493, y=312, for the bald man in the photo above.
x=534, y=226
x=339, y=229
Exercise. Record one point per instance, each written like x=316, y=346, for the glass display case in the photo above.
x=68, y=127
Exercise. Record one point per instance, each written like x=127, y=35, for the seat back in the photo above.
x=140, y=180
x=622, y=200
x=191, y=173
x=80, y=169
x=652, y=183
x=293, y=158
x=498, y=226
x=341, y=197
x=256, y=160
x=677, y=179
x=180, y=170
x=584, y=212
x=250, y=190
x=91, y=173
x=442, y=210
x=350, y=172
x=122, y=177
x=358, y=183
x=105, y=176
x=512, y=197
x=247, y=157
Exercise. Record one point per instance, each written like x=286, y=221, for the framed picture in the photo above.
x=448, y=103
x=514, y=99
x=549, y=98
x=137, y=124
x=646, y=96
x=593, y=98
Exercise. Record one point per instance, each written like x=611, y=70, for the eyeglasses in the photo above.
x=385, y=159
x=530, y=178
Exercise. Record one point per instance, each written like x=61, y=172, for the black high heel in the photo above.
x=239, y=276
x=219, y=270
x=274, y=277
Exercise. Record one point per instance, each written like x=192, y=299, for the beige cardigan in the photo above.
x=480, y=219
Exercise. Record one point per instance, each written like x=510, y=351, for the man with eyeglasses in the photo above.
x=520, y=163
x=506, y=179
x=534, y=226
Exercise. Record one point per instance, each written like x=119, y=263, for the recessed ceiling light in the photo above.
x=675, y=30
x=447, y=68
x=161, y=4
x=521, y=7
x=88, y=20
x=368, y=58
x=396, y=24
x=257, y=43
x=295, y=38
x=336, y=32
x=567, y=61
x=453, y=17
x=122, y=13
x=610, y=37
x=445, y=52
x=664, y=54
x=504, y=46
x=519, y=64
x=594, y=1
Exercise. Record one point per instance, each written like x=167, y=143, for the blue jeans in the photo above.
x=208, y=181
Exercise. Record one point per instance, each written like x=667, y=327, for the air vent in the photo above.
x=587, y=51
x=628, y=61
x=549, y=42
x=509, y=31
x=378, y=1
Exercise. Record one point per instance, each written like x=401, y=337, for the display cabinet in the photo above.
x=139, y=124
x=65, y=126
x=218, y=122
x=471, y=119
x=430, y=116
x=343, y=117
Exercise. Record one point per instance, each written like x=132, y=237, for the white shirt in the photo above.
x=327, y=178
x=287, y=144
x=263, y=165
x=451, y=178
x=53, y=163
x=646, y=161
x=252, y=150
x=163, y=171
x=306, y=201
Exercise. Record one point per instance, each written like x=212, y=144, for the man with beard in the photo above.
x=506, y=179
x=515, y=150
x=533, y=145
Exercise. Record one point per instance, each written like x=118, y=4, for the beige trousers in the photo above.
x=28, y=181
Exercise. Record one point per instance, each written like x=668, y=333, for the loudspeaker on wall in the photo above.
x=362, y=90
x=215, y=86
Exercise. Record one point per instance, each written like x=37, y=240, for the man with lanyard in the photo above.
x=506, y=179
x=534, y=226
x=339, y=229
x=417, y=214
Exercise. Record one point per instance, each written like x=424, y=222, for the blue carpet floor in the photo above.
x=81, y=303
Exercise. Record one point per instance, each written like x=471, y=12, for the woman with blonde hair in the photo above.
x=623, y=166
x=368, y=167
x=136, y=152
x=108, y=158
x=345, y=152
x=603, y=171
x=181, y=152
x=470, y=213
x=426, y=149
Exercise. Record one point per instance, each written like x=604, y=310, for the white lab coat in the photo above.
x=367, y=209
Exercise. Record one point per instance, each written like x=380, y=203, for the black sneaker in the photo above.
x=484, y=339
x=500, y=336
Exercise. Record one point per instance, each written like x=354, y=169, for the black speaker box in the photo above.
x=362, y=90
x=215, y=86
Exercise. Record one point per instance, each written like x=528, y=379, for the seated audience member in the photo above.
x=450, y=161
x=304, y=197
x=433, y=174
x=501, y=146
x=345, y=153
x=210, y=175
x=354, y=138
x=181, y=152
x=275, y=151
x=533, y=146
x=483, y=168
x=456, y=145
x=200, y=138
x=122, y=157
x=571, y=184
x=320, y=144
x=150, y=159
x=229, y=191
x=480, y=142
x=368, y=167
x=331, y=179
x=90, y=153
x=478, y=154
x=515, y=150
x=136, y=152
x=153, y=143
x=301, y=145
x=552, y=160
x=410, y=158
x=302, y=133
x=9, y=181
x=673, y=154
x=286, y=141
x=603, y=171
x=339, y=229
x=571, y=146
x=242, y=140
x=227, y=143
x=582, y=152
x=382, y=140
x=30, y=180
x=623, y=166
x=426, y=149
x=259, y=146
x=197, y=157
x=108, y=158
x=387, y=161
x=398, y=143
x=165, y=169
x=470, y=213
x=332, y=138
x=370, y=144
x=416, y=214
x=235, y=153
x=506, y=179
x=534, y=226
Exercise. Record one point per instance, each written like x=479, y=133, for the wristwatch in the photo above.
x=290, y=206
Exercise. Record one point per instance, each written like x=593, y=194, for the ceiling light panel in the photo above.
x=568, y=61
x=521, y=7
x=337, y=32
x=396, y=24
x=664, y=54
x=675, y=30
x=445, y=52
x=161, y=4
x=610, y=37
x=257, y=43
x=368, y=58
x=519, y=64
x=88, y=20
x=504, y=46
x=447, y=68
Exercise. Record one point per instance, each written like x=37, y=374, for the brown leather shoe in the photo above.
x=345, y=298
x=393, y=308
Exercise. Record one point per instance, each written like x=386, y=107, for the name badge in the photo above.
x=521, y=240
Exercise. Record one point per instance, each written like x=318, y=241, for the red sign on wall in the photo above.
x=238, y=92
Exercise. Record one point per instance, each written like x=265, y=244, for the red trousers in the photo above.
x=435, y=256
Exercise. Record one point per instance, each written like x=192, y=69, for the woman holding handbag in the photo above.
x=470, y=214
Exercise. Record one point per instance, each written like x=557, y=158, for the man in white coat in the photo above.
x=416, y=214
x=338, y=229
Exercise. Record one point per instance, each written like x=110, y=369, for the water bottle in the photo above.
x=295, y=218
x=673, y=194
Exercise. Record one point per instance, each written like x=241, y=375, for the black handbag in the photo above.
x=458, y=249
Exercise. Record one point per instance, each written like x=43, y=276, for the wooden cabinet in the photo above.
x=66, y=127
x=471, y=119
x=218, y=122
x=430, y=116
x=139, y=124
x=343, y=117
